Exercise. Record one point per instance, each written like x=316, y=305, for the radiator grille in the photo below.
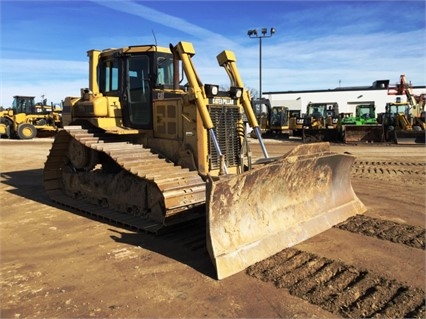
x=225, y=120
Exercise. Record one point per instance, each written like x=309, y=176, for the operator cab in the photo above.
x=132, y=74
x=23, y=104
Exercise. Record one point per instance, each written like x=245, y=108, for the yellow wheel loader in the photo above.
x=26, y=118
x=400, y=126
x=147, y=152
x=404, y=122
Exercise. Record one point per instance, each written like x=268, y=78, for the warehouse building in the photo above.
x=379, y=93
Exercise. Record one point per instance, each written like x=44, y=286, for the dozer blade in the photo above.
x=312, y=135
x=409, y=137
x=363, y=133
x=256, y=214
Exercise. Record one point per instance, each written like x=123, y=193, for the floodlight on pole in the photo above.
x=264, y=33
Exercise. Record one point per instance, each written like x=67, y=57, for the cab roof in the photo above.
x=135, y=49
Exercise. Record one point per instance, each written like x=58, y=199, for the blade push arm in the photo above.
x=185, y=51
x=227, y=60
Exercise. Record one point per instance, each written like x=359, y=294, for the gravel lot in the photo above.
x=57, y=263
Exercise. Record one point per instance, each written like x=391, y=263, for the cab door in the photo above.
x=138, y=91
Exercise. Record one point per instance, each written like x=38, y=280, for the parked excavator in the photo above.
x=363, y=127
x=142, y=150
x=26, y=117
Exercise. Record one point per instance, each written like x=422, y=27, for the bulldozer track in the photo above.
x=182, y=189
x=412, y=236
x=340, y=288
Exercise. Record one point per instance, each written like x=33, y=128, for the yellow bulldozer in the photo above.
x=319, y=123
x=26, y=117
x=143, y=150
x=273, y=120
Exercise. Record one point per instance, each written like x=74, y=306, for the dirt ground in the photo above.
x=57, y=263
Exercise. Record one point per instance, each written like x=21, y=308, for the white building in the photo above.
x=347, y=98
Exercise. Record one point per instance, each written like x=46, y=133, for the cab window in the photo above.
x=110, y=76
x=164, y=72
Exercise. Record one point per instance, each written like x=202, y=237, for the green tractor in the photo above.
x=363, y=127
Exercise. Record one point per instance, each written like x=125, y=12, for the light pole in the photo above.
x=264, y=33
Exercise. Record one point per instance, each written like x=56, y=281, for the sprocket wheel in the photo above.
x=81, y=157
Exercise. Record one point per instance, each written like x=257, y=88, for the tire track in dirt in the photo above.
x=407, y=172
x=340, y=288
x=409, y=235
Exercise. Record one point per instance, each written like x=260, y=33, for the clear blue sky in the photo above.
x=316, y=45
